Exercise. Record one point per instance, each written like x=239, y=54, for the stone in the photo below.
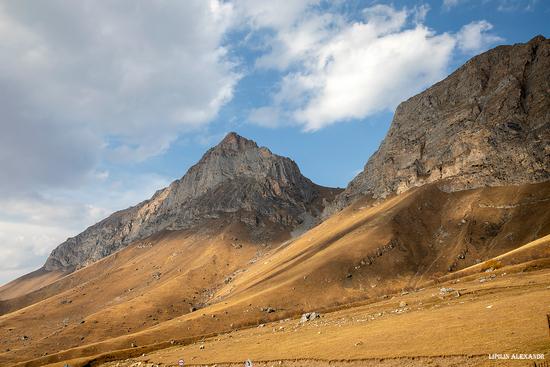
x=402, y=304
x=487, y=124
x=444, y=290
x=236, y=180
x=309, y=316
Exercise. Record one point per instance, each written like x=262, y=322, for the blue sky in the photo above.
x=104, y=103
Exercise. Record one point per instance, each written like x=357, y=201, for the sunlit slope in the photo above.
x=400, y=242
x=432, y=329
x=29, y=283
x=368, y=250
x=530, y=252
x=149, y=282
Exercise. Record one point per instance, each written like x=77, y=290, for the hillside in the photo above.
x=369, y=250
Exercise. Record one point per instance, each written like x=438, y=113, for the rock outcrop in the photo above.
x=487, y=124
x=235, y=180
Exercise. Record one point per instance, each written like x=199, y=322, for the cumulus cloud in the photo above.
x=476, y=37
x=31, y=224
x=500, y=5
x=134, y=70
x=337, y=69
x=25, y=245
x=449, y=4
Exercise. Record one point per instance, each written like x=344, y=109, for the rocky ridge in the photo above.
x=235, y=180
x=487, y=124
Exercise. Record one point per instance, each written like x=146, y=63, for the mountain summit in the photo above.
x=487, y=124
x=234, y=181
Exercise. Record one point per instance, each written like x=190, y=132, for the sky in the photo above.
x=104, y=103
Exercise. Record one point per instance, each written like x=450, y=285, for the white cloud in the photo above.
x=475, y=37
x=275, y=14
x=336, y=69
x=267, y=116
x=137, y=71
x=516, y=5
x=448, y=4
x=32, y=225
x=501, y=5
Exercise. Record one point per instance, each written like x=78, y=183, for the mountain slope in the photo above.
x=236, y=180
x=488, y=123
x=143, y=294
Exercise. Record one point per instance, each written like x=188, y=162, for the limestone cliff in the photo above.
x=487, y=124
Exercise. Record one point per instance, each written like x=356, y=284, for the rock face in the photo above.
x=236, y=180
x=487, y=124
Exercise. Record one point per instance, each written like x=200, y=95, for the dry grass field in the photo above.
x=168, y=295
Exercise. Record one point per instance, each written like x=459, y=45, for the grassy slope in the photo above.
x=368, y=250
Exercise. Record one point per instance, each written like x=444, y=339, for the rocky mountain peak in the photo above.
x=487, y=124
x=234, y=142
x=234, y=181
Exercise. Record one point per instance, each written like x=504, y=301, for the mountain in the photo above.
x=235, y=180
x=487, y=124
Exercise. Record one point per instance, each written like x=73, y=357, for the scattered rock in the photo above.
x=24, y=337
x=402, y=304
x=309, y=316
x=133, y=345
x=486, y=279
x=201, y=346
